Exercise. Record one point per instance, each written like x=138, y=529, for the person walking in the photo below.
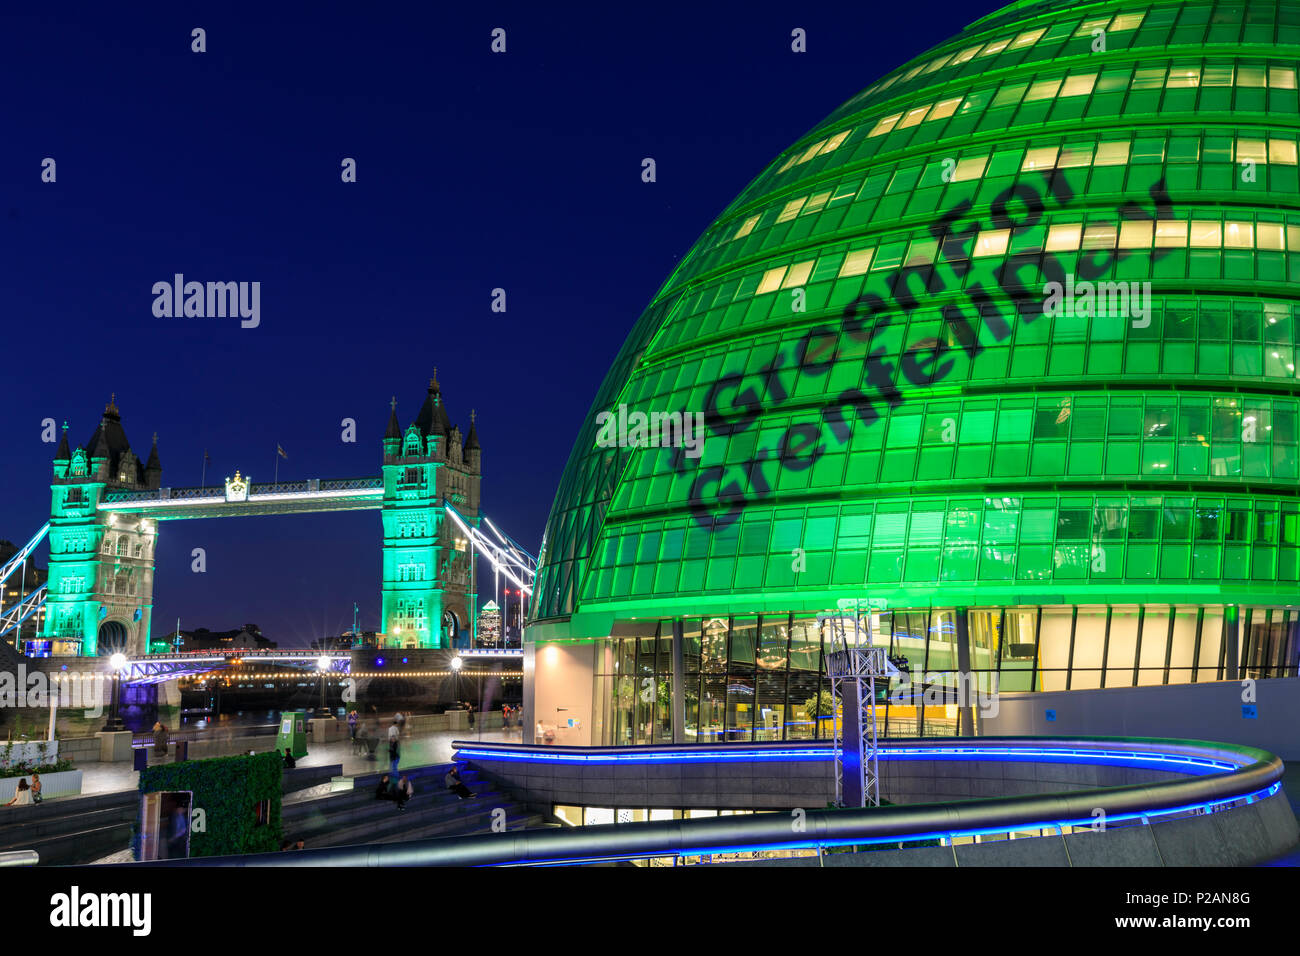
x=470, y=709
x=505, y=716
x=22, y=794
x=36, y=787
x=400, y=719
x=394, y=749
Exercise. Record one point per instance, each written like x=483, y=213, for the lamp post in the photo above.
x=115, y=664
x=322, y=667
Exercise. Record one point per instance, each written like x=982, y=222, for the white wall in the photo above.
x=562, y=682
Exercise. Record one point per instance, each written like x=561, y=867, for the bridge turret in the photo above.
x=473, y=453
x=153, y=467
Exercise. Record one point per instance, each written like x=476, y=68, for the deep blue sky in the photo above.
x=475, y=171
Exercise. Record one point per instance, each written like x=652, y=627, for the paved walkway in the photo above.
x=418, y=750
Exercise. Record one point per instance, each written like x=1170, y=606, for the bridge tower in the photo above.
x=428, y=575
x=101, y=563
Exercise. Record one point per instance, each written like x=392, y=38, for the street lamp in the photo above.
x=116, y=664
x=322, y=666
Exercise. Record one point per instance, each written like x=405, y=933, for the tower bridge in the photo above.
x=107, y=505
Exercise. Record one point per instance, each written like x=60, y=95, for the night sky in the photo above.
x=474, y=171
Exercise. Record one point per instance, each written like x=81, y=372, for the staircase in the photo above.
x=71, y=830
x=356, y=816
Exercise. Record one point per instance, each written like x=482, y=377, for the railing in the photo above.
x=1237, y=775
x=309, y=486
x=19, y=858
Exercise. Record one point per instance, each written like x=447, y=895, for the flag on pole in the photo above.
x=207, y=459
x=280, y=451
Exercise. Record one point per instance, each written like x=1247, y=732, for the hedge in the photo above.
x=227, y=790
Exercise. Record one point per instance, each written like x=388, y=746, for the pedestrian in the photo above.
x=456, y=785
x=159, y=739
x=36, y=787
x=289, y=762
x=352, y=725
x=400, y=720
x=384, y=791
x=394, y=753
x=470, y=708
x=405, y=790
x=22, y=794
x=505, y=716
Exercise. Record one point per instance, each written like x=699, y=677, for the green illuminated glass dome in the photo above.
x=1012, y=329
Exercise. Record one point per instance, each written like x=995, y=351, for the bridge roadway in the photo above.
x=285, y=497
x=155, y=668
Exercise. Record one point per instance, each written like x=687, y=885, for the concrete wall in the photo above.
x=1211, y=711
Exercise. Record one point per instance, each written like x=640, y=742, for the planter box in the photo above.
x=28, y=751
x=66, y=783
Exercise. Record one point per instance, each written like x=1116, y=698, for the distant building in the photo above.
x=246, y=638
x=20, y=584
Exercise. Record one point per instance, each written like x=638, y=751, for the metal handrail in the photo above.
x=1255, y=776
x=19, y=858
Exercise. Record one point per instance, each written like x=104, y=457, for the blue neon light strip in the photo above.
x=1210, y=807
x=1174, y=763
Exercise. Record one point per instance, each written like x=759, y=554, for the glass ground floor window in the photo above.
x=762, y=677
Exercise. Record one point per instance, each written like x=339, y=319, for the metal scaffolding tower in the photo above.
x=854, y=664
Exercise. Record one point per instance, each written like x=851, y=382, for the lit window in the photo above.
x=969, y=167
x=1149, y=78
x=937, y=63
x=1042, y=90
x=815, y=204
x=1238, y=235
x=1028, y=38
x=945, y=108
x=1135, y=234
x=1044, y=157
x=787, y=164
x=1087, y=26
x=913, y=71
x=997, y=46
x=771, y=280
x=1079, y=85
x=1099, y=236
x=1075, y=156
x=1127, y=21
x=1251, y=76
x=1184, y=78
x=921, y=252
x=811, y=151
x=747, y=227
x=991, y=242
x=791, y=209
x=1269, y=237
x=914, y=116
x=1171, y=234
x=1293, y=238
x=885, y=125
x=857, y=263
x=1064, y=238
x=1216, y=76
x=1252, y=149
x=1111, y=154
x=1281, y=78
x=1008, y=95
x=1206, y=234
x=798, y=274
x=836, y=141
x=966, y=55
x=1282, y=152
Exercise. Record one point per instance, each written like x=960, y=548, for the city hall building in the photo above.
x=1002, y=352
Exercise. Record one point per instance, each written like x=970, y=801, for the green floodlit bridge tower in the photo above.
x=106, y=507
x=1035, y=490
